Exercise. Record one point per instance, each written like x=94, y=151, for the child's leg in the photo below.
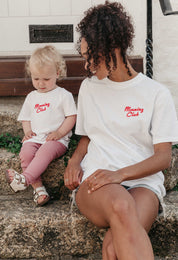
x=34, y=160
x=26, y=154
x=45, y=154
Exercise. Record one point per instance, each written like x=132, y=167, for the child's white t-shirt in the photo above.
x=123, y=120
x=46, y=112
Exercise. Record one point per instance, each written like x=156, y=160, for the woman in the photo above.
x=128, y=123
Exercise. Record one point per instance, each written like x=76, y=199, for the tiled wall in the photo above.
x=16, y=15
x=43, y=7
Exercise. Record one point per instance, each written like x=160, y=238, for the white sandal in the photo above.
x=18, y=183
x=40, y=191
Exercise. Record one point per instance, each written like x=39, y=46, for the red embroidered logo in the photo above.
x=40, y=108
x=133, y=111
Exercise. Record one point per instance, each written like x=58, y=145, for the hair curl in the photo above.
x=47, y=55
x=106, y=27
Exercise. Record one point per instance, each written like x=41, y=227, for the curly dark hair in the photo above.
x=106, y=27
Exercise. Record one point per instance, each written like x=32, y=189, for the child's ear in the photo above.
x=58, y=73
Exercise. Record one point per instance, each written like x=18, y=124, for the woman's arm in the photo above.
x=73, y=173
x=65, y=128
x=158, y=162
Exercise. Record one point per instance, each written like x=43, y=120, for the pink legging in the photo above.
x=35, y=158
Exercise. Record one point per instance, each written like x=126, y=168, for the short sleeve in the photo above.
x=164, y=125
x=69, y=106
x=25, y=113
x=79, y=130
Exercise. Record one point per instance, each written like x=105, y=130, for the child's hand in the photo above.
x=53, y=136
x=28, y=135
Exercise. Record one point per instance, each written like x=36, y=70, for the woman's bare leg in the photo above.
x=113, y=206
x=147, y=205
x=108, y=252
x=147, y=208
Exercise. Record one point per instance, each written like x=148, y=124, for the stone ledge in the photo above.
x=171, y=174
x=53, y=176
x=28, y=232
x=163, y=234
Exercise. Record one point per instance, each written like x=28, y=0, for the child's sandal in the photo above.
x=40, y=191
x=18, y=183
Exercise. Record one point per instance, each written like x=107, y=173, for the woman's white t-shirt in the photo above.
x=123, y=121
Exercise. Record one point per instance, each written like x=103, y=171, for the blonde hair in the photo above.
x=46, y=56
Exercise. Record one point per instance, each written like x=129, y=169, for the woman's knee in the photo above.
x=123, y=209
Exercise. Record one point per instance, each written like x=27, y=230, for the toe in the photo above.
x=41, y=199
x=10, y=174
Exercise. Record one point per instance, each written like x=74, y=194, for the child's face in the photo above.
x=44, y=79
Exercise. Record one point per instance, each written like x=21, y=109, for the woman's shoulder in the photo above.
x=154, y=83
x=154, y=86
x=89, y=82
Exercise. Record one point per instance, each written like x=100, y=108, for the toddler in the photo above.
x=47, y=115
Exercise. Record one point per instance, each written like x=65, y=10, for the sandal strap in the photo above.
x=19, y=178
x=19, y=182
x=39, y=192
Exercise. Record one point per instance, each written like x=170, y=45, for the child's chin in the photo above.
x=42, y=90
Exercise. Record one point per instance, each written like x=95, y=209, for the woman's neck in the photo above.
x=121, y=72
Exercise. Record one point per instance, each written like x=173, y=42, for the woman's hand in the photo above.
x=73, y=175
x=28, y=135
x=160, y=160
x=102, y=177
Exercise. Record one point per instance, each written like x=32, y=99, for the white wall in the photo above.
x=16, y=15
x=165, y=36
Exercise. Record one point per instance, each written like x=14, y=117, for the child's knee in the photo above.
x=25, y=156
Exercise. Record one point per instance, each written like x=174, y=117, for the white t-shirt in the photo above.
x=46, y=112
x=123, y=120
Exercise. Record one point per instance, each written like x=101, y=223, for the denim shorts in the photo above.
x=161, y=201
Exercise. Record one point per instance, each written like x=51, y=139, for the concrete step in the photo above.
x=27, y=231
x=9, y=110
x=163, y=234
x=53, y=176
x=56, y=231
